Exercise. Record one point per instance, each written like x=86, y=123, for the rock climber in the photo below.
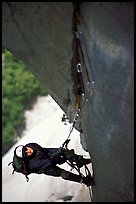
x=41, y=160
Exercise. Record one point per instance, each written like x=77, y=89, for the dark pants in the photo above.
x=57, y=172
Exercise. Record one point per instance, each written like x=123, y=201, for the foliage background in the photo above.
x=20, y=88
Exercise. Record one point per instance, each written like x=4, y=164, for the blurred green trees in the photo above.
x=19, y=88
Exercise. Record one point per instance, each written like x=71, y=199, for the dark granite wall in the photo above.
x=41, y=35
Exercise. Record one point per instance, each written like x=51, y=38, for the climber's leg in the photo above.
x=78, y=159
x=57, y=172
x=88, y=180
x=52, y=171
x=71, y=176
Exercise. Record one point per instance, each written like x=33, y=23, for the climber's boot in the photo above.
x=80, y=161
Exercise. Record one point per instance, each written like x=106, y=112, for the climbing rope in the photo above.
x=86, y=169
x=84, y=68
x=85, y=90
x=72, y=127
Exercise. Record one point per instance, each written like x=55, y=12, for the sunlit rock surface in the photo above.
x=41, y=35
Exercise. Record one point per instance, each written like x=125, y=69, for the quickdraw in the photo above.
x=84, y=68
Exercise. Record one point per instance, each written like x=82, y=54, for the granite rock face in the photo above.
x=109, y=122
x=41, y=35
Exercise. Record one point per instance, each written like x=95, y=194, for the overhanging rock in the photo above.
x=41, y=35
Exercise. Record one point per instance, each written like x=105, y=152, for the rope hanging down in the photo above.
x=84, y=90
x=84, y=68
x=86, y=83
x=84, y=71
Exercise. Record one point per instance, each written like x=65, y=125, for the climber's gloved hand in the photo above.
x=70, y=154
x=58, y=159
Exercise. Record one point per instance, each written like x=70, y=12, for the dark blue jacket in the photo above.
x=43, y=157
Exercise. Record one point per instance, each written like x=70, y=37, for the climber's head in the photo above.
x=23, y=151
